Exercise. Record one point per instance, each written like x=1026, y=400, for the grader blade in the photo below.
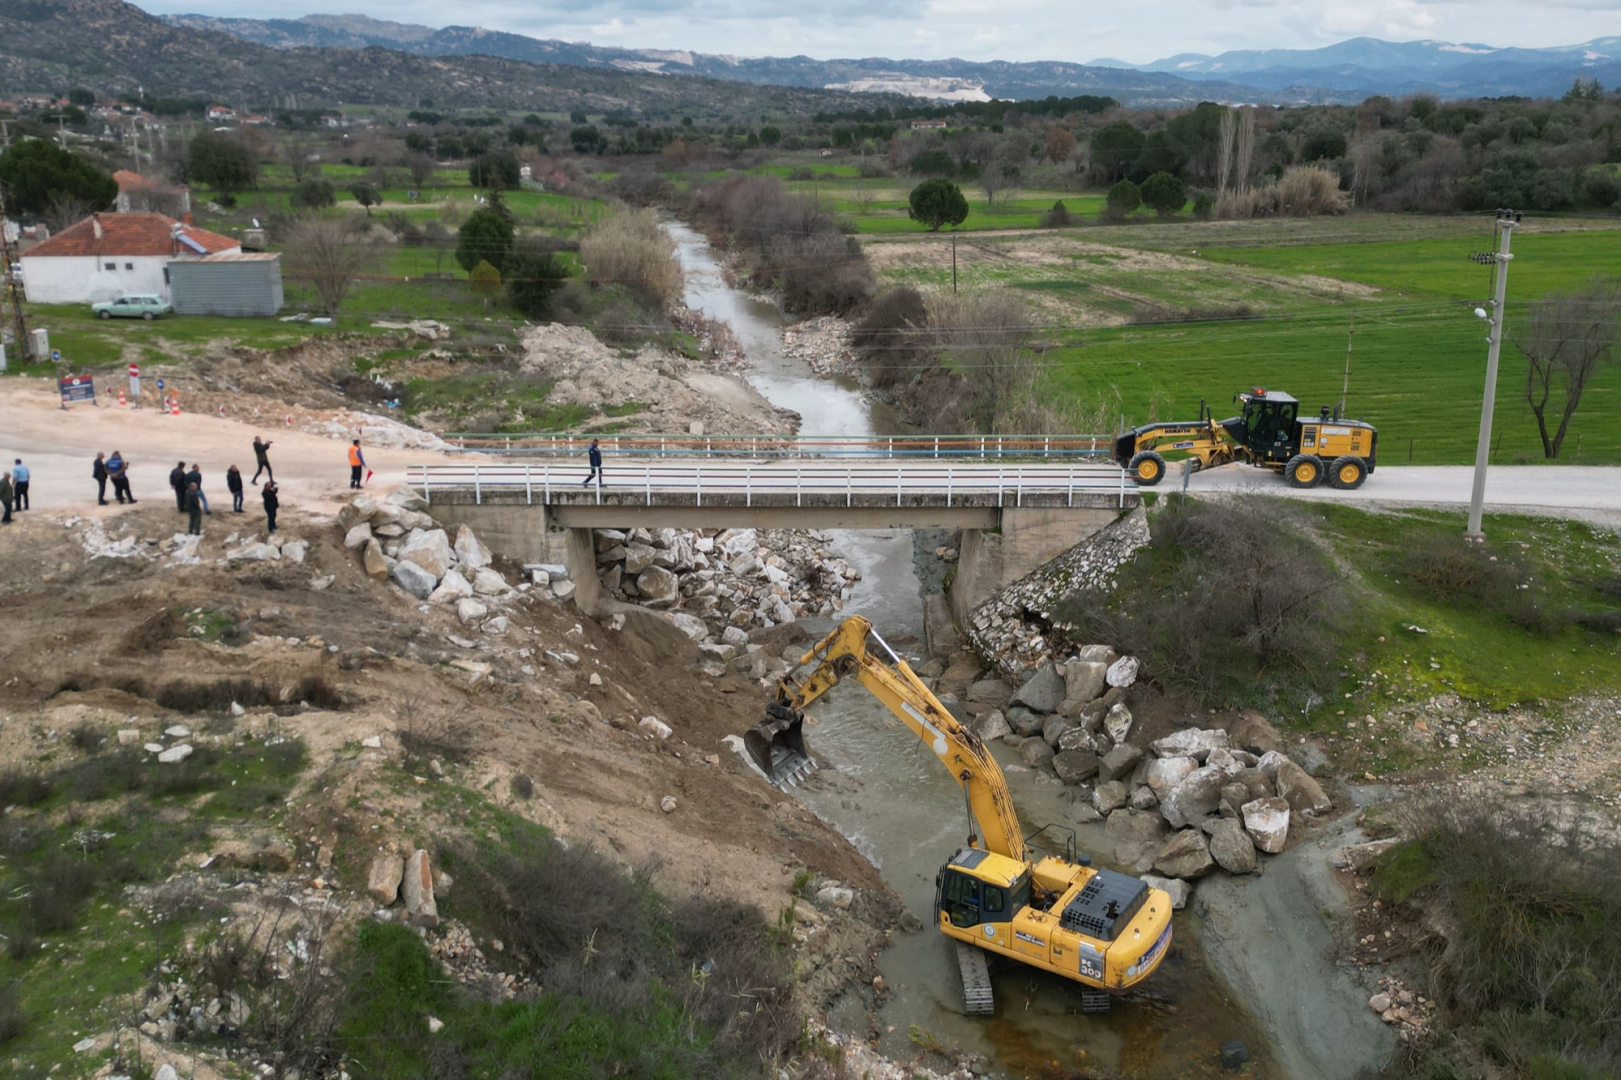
x=777, y=745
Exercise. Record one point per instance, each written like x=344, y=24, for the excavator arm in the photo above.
x=778, y=745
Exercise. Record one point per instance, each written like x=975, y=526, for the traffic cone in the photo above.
x=174, y=406
x=121, y=399
x=289, y=420
x=222, y=410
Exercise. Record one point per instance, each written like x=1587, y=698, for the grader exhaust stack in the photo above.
x=777, y=745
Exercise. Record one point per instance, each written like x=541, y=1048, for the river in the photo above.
x=888, y=795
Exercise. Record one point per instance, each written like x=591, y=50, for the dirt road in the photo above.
x=1592, y=492
x=58, y=448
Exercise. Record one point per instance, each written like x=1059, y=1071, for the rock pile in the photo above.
x=1013, y=628
x=1177, y=807
x=823, y=343
x=728, y=582
x=399, y=541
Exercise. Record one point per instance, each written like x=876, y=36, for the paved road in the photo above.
x=1589, y=491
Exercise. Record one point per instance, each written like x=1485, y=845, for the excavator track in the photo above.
x=976, y=981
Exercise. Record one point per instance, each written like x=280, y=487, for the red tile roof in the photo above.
x=131, y=234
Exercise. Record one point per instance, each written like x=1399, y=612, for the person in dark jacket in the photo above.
x=99, y=472
x=118, y=473
x=177, y=481
x=594, y=456
x=194, y=509
x=272, y=504
x=261, y=455
x=194, y=478
x=6, y=493
x=233, y=484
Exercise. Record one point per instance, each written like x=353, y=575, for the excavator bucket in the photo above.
x=777, y=745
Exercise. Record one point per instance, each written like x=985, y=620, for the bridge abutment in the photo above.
x=989, y=561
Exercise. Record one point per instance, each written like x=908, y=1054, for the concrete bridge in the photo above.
x=1015, y=515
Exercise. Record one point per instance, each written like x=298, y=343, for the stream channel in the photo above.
x=887, y=794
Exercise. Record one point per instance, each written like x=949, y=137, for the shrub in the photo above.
x=1058, y=217
x=313, y=194
x=522, y=786
x=23, y=789
x=889, y=335
x=1164, y=194
x=57, y=891
x=485, y=236
x=11, y=1019
x=1123, y=198
x=87, y=739
x=534, y=275
x=1227, y=599
x=630, y=249
x=1304, y=191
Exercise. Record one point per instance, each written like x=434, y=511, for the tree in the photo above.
x=588, y=140
x=222, y=163
x=485, y=280
x=36, y=173
x=497, y=170
x=299, y=159
x=313, y=194
x=1060, y=145
x=1570, y=336
x=937, y=202
x=484, y=237
x=366, y=194
x=1122, y=199
x=533, y=277
x=81, y=97
x=996, y=179
x=420, y=167
x=1323, y=144
x=1117, y=150
x=323, y=252
x=770, y=136
x=1164, y=194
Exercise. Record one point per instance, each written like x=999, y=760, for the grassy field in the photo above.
x=1147, y=319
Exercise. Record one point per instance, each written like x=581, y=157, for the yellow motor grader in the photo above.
x=1269, y=433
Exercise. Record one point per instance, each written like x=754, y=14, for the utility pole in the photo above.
x=953, y=264
x=1506, y=220
x=1346, y=388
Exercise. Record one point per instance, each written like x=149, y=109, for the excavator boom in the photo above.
x=777, y=745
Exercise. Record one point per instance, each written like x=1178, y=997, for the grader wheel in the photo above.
x=1147, y=468
x=1304, y=471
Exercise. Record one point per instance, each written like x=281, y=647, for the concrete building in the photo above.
x=106, y=256
x=240, y=285
x=138, y=195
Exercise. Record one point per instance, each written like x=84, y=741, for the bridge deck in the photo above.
x=780, y=484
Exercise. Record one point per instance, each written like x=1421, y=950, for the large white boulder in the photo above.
x=1167, y=772
x=470, y=550
x=414, y=579
x=453, y=588
x=1191, y=742
x=429, y=550
x=1267, y=822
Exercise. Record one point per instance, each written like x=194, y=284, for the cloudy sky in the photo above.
x=976, y=29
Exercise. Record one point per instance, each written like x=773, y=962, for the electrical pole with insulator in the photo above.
x=1499, y=259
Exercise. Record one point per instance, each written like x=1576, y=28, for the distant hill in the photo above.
x=1364, y=66
x=114, y=47
x=926, y=78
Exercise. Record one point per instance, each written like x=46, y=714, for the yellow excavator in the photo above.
x=1103, y=929
x=1269, y=433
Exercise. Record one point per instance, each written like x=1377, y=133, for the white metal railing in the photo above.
x=938, y=447
x=671, y=483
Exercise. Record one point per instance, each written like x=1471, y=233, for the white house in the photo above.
x=106, y=256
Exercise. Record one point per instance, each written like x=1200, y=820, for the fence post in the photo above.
x=748, y=485
x=478, y=491
x=937, y=450
x=698, y=485
x=1071, y=484
x=647, y=480
x=427, y=486
x=546, y=479
x=799, y=492
x=848, y=493
x=897, y=485
x=999, y=485
x=948, y=487
x=1122, y=487
x=1018, y=487
x=528, y=485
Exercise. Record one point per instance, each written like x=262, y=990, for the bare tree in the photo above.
x=864, y=197
x=1225, y=141
x=1570, y=336
x=1363, y=150
x=993, y=181
x=421, y=167
x=298, y=159
x=65, y=209
x=984, y=338
x=323, y=251
x=1244, y=151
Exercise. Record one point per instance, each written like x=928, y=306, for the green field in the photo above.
x=1150, y=319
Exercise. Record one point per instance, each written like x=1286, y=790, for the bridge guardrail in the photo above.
x=939, y=447
x=984, y=484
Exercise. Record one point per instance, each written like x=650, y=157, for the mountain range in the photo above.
x=1346, y=72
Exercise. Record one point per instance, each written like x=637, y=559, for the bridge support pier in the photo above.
x=990, y=560
x=581, y=559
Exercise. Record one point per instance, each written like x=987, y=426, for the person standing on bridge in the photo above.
x=19, y=480
x=118, y=473
x=594, y=456
x=261, y=455
x=357, y=464
x=98, y=472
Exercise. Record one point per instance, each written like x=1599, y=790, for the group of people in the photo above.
x=14, y=491
x=189, y=499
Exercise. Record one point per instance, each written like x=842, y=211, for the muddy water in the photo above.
x=885, y=792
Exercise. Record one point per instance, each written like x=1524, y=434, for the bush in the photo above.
x=1164, y=194
x=1228, y=598
x=1304, y=191
x=485, y=236
x=890, y=335
x=1058, y=217
x=11, y=1020
x=630, y=249
x=313, y=194
x=534, y=276
x=1123, y=198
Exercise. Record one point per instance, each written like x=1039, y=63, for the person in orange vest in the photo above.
x=357, y=464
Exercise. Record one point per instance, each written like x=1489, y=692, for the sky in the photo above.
x=975, y=29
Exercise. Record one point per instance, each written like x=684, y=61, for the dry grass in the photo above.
x=630, y=249
x=1304, y=191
